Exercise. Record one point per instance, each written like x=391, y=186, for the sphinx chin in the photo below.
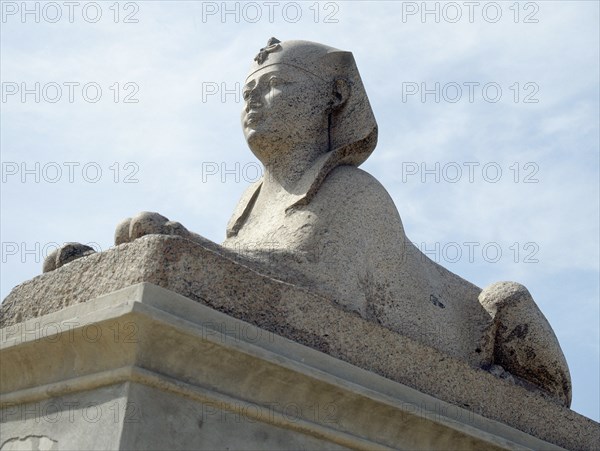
x=262, y=144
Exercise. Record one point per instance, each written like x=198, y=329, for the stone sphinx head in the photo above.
x=305, y=95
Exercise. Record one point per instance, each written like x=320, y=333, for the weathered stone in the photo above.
x=316, y=252
x=210, y=276
x=146, y=368
x=147, y=223
x=307, y=118
x=315, y=219
x=525, y=344
x=65, y=254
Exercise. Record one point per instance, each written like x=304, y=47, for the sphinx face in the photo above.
x=283, y=107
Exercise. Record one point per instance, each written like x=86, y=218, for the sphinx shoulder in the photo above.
x=350, y=189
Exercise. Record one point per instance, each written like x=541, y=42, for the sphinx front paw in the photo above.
x=147, y=223
x=65, y=254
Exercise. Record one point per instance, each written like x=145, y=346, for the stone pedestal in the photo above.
x=98, y=356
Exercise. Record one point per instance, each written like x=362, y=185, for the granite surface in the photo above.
x=207, y=274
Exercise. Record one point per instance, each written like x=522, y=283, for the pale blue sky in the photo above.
x=176, y=51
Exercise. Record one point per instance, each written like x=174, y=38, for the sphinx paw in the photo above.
x=66, y=254
x=147, y=223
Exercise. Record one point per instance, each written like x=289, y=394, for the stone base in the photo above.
x=218, y=294
x=146, y=368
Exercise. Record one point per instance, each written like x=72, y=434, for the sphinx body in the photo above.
x=349, y=244
x=317, y=220
x=337, y=226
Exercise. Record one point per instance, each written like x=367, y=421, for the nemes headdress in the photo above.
x=354, y=129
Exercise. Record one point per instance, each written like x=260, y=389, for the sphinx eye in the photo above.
x=247, y=92
x=274, y=81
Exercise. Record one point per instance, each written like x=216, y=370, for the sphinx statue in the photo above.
x=316, y=219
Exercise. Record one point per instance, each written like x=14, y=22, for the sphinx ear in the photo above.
x=341, y=93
